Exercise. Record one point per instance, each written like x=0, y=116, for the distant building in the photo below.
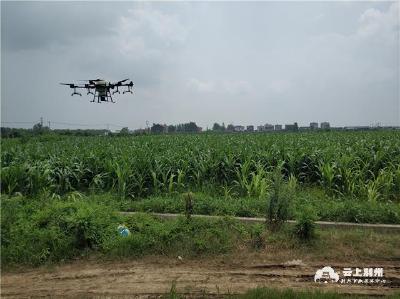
x=239, y=129
x=305, y=128
x=325, y=125
x=357, y=128
x=293, y=127
x=313, y=126
x=268, y=127
x=278, y=127
x=260, y=128
x=250, y=128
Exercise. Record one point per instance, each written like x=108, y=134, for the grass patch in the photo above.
x=181, y=236
x=271, y=293
x=326, y=208
x=36, y=232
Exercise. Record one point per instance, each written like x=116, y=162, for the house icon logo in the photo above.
x=325, y=275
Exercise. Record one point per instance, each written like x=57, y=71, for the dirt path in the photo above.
x=153, y=276
x=321, y=224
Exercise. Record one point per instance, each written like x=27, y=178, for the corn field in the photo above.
x=359, y=164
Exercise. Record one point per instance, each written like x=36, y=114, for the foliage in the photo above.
x=361, y=165
x=257, y=234
x=189, y=203
x=270, y=293
x=44, y=231
x=35, y=232
x=279, y=201
x=304, y=228
x=150, y=235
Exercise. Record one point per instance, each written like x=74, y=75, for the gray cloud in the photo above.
x=37, y=25
x=246, y=63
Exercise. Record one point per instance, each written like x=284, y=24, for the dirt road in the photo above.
x=152, y=276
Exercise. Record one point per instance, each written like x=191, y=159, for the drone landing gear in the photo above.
x=75, y=92
x=103, y=99
x=129, y=90
x=110, y=97
x=117, y=91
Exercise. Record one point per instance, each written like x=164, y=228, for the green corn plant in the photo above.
x=10, y=177
x=372, y=191
x=227, y=191
x=385, y=181
x=157, y=184
x=122, y=173
x=292, y=183
x=327, y=174
x=171, y=183
x=242, y=177
x=258, y=183
x=180, y=185
x=98, y=182
x=138, y=183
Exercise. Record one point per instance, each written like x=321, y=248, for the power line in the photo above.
x=74, y=124
x=59, y=123
x=18, y=122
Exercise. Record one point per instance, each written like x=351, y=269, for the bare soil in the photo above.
x=153, y=276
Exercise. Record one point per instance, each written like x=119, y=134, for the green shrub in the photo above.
x=257, y=234
x=150, y=235
x=34, y=233
x=304, y=228
x=189, y=202
x=279, y=201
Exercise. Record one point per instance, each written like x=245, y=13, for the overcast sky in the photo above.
x=241, y=63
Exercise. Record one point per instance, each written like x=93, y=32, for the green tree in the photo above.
x=171, y=129
x=216, y=127
x=124, y=131
x=157, y=128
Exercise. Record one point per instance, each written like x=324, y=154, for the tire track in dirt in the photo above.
x=150, y=278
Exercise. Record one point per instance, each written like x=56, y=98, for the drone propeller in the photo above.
x=118, y=83
x=71, y=85
x=88, y=80
x=122, y=81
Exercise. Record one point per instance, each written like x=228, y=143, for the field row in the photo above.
x=356, y=164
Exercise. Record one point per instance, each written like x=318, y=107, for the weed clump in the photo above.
x=189, y=203
x=279, y=201
x=258, y=240
x=304, y=228
x=35, y=233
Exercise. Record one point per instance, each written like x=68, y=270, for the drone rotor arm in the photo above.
x=119, y=83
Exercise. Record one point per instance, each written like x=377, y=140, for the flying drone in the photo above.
x=101, y=89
